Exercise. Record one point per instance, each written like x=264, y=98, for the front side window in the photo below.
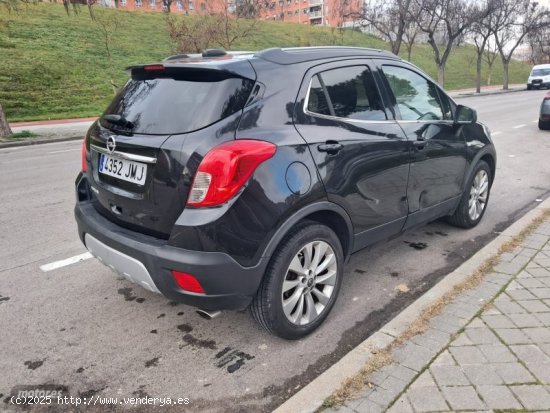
x=347, y=92
x=416, y=98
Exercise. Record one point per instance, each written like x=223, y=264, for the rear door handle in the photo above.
x=331, y=148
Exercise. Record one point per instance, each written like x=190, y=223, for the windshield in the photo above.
x=540, y=72
x=166, y=106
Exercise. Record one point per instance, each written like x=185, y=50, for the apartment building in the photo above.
x=316, y=12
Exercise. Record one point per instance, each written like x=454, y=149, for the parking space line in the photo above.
x=519, y=126
x=63, y=263
x=496, y=133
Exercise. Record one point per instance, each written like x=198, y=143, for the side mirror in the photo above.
x=464, y=114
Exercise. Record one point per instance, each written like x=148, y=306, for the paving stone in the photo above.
x=545, y=348
x=498, y=397
x=497, y=353
x=424, y=380
x=339, y=409
x=522, y=294
x=448, y=323
x=462, y=340
x=426, y=399
x=368, y=406
x=448, y=375
x=515, y=285
x=402, y=405
x=513, y=373
x=417, y=359
x=481, y=335
x=476, y=323
x=480, y=374
x=530, y=353
x=384, y=396
x=392, y=384
x=498, y=321
x=539, y=272
x=507, y=306
x=525, y=320
x=443, y=359
x=533, y=396
x=512, y=336
x=403, y=373
x=539, y=335
x=437, y=335
x=463, y=398
x=531, y=283
x=467, y=355
x=544, y=317
x=541, y=371
x=534, y=306
x=540, y=292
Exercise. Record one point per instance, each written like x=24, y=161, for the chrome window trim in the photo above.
x=124, y=155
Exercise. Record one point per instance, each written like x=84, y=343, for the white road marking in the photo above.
x=536, y=121
x=519, y=126
x=496, y=133
x=65, y=150
x=63, y=263
x=511, y=156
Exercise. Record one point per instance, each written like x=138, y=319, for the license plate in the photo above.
x=124, y=169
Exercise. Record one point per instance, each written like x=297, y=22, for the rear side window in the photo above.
x=347, y=92
x=179, y=104
x=416, y=97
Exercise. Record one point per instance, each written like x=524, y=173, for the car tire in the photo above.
x=466, y=214
x=529, y=87
x=292, y=320
x=544, y=125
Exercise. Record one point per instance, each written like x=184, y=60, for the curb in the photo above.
x=37, y=141
x=312, y=396
x=458, y=94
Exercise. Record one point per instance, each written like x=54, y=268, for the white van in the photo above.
x=539, y=77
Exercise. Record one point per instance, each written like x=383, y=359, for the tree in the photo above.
x=489, y=57
x=514, y=20
x=539, y=46
x=232, y=27
x=388, y=18
x=445, y=22
x=5, y=129
x=482, y=31
x=108, y=22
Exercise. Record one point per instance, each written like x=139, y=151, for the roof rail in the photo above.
x=213, y=53
x=292, y=55
x=175, y=57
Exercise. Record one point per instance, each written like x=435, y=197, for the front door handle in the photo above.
x=332, y=148
x=420, y=144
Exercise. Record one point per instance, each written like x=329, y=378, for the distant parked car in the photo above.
x=539, y=77
x=234, y=180
x=544, y=115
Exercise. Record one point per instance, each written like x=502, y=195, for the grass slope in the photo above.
x=54, y=66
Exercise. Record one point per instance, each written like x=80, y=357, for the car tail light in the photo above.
x=84, y=155
x=187, y=282
x=153, y=68
x=225, y=169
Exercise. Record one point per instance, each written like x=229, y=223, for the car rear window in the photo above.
x=178, y=104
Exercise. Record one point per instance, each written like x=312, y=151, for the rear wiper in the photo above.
x=119, y=120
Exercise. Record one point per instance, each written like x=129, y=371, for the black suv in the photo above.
x=234, y=180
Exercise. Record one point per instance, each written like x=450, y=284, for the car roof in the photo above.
x=544, y=66
x=282, y=56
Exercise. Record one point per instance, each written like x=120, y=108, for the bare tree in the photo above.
x=388, y=18
x=482, y=31
x=108, y=22
x=192, y=35
x=445, y=22
x=539, y=45
x=5, y=129
x=489, y=57
x=232, y=26
x=514, y=20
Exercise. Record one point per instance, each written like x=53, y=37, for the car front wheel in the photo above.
x=474, y=199
x=301, y=283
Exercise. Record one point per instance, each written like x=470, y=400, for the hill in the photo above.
x=55, y=66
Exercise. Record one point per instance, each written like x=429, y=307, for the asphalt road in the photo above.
x=82, y=327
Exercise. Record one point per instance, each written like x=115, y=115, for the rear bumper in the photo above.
x=148, y=261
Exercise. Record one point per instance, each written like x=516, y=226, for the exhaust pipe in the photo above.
x=208, y=315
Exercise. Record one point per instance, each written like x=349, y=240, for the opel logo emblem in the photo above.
x=111, y=144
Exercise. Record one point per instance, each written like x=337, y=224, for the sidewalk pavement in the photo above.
x=488, y=350
x=486, y=90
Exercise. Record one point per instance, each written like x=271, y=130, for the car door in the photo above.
x=361, y=153
x=439, y=152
